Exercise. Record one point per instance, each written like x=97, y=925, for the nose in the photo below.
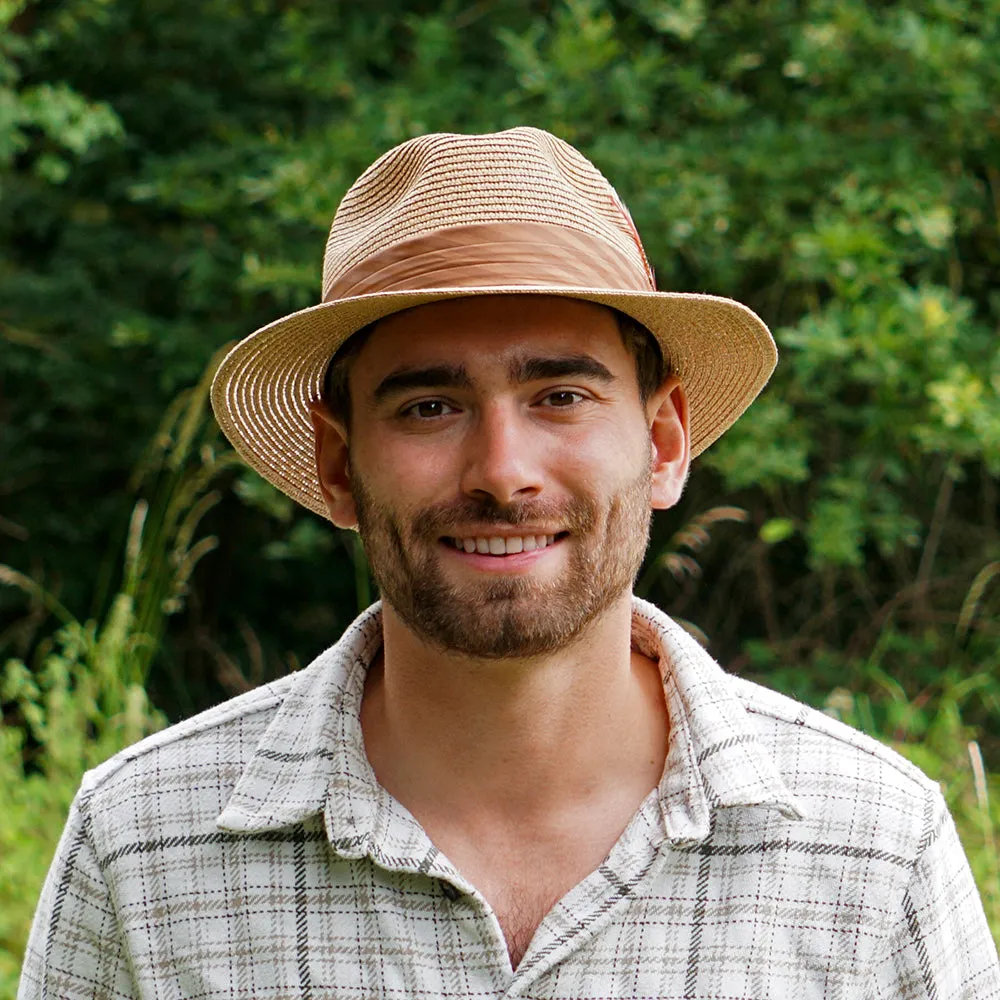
x=501, y=457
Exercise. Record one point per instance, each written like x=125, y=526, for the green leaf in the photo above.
x=777, y=529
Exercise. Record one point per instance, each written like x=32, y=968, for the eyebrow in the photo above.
x=434, y=377
x=534, y=367
x=523, y=369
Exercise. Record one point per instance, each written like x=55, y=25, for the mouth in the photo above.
x=502, y=545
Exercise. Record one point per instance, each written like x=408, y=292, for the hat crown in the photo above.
x=446, y=180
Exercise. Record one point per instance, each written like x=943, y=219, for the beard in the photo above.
x=506, y=617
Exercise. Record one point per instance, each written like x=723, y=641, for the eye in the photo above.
x=428, y=409
x=563, y=398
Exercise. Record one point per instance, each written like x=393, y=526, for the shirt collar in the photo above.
x=312, y=759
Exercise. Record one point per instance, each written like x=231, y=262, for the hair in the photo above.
x=336, y=381
x=650, y=367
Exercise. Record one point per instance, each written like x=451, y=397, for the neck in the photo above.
x=518, y=738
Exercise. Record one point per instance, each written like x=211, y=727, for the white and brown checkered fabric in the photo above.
x=250, y=853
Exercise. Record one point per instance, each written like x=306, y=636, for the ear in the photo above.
x=670, y=442
x=332, y=465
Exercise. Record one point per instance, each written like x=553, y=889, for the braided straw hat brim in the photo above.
x=719, y=348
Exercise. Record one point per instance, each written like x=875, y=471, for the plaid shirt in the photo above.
x=250, y=852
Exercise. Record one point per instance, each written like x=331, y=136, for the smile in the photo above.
x=495, y=545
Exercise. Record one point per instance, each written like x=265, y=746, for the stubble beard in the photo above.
x=506, y=617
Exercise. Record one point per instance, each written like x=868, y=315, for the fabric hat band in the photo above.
x=504, y=254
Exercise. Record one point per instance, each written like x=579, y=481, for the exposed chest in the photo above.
x=523, y=878
x=519, y=912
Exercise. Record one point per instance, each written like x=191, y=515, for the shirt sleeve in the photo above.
x=940, y=946
x=75, y=949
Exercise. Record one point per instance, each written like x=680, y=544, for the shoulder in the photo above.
x=850, y=785
x=783, y=721
x=198, y=760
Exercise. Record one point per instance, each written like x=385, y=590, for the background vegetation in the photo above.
x=167, y=174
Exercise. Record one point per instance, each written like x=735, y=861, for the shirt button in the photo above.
x=451, y=891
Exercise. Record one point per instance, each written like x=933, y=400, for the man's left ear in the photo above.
x=670, y=442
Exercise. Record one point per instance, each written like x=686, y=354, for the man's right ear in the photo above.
x=332, y=466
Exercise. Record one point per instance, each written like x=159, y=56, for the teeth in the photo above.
x=503, y=546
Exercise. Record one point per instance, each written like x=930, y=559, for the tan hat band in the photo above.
x=493, y=254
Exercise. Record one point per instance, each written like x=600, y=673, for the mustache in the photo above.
x=576, y=515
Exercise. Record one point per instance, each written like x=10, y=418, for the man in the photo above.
x=510, y=778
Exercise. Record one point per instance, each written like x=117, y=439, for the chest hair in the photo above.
x=519, y=911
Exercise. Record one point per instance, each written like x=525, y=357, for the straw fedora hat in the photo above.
x=446, y=216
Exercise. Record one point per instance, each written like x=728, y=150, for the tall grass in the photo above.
x=83, y=696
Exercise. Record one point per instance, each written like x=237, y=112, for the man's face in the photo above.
x=499, y=464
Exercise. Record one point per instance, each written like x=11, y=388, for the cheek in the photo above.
x=403, y=471
x=608, y=455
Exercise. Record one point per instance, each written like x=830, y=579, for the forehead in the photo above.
x=488, y=332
